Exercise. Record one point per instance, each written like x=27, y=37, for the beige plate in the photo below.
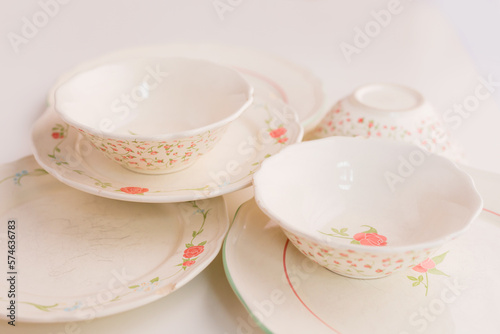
x=79, y=256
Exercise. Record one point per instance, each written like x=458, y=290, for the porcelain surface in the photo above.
x=285, y=292
x=392, y=112
x=140, y=112
x=366, y=208
x=268, y=75
x=263, y=130
x=81, y=257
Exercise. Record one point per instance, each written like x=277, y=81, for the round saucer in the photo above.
x=265, y=128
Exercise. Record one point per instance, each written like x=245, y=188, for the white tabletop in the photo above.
x=443, y=48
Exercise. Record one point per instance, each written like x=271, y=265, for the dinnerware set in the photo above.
x=374, y=193
x=157, y=228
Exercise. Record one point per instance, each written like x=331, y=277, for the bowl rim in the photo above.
x=475, y=206
x=248, y=90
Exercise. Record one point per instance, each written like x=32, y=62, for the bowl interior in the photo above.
x=354, y=184
x=152, y=96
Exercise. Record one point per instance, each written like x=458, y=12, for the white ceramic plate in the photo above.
x=80, y=256
x=263, y=130
x=269, y=75
x=287, y=293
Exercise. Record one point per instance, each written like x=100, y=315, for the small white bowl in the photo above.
x=388, y=111
x=365, y=208
x=154, y=115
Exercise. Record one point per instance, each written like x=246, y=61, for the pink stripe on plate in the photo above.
x=493, y=212
x=295, y=292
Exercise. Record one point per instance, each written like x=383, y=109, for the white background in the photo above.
x=438, y=47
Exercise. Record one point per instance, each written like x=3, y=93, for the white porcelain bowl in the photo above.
x=389, y=111
x=365, y=208
x=154, y=115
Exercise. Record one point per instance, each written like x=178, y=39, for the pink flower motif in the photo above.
x=57, y=135
x=134, y=190
x=378, y=270
x=361, y=120
x=424, y=266
x=128, y=149
x=188, y=263
x=370, y=125
x=370, y=239
x=193, y=251
x=283, y=140
x=277, y=132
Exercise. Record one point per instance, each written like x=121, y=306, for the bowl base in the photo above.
x=157, y=171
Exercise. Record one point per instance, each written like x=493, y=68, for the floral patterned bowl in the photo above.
x=365, y=208
x=392, y=112
x=154, y=115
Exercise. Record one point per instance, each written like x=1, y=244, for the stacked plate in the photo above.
x=101, y=239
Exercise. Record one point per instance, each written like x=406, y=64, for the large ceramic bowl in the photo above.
x=154, y=115
x=365, y=208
